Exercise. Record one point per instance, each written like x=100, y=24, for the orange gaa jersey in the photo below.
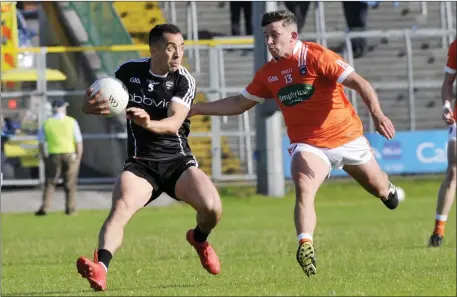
x=307, y=87
x=451, y=67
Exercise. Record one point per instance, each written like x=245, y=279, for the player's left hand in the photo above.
x=139, y=116
x=384, y=126
x=448, y=115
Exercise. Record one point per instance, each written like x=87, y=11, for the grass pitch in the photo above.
x=362, y=248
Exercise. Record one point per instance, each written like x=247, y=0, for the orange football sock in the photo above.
x=305, y=240
x=439, y=227
x=304, y=237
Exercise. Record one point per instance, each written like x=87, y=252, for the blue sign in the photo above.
x=409, y=152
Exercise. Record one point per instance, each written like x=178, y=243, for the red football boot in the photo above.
x=94, y=271
x=207, y=255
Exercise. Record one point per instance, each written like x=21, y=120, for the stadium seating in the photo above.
x=385, y=61
x=138, y=18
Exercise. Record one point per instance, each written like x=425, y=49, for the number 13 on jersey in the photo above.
x=288, y=78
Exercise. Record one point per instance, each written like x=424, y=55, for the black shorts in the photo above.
x=162, y=175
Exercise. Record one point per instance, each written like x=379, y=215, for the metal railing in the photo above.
x=94, y=17
x=405, y=34
x=215, y=88
x=446, y=18
x=218, y=89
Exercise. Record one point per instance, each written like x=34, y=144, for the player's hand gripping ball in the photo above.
x=109, y=97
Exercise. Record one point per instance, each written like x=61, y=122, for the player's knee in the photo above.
x=212, y=209
x=121, y=212
x=304, y=186
x=378, y=185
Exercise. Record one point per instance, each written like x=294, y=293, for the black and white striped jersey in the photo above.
x=154, y=93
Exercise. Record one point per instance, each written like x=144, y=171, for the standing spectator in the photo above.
x=61, y=147
x=20, y=5
x=235, y=17
x=7, y=131
x=299, y=9
x=356, y=18
x=355, y=13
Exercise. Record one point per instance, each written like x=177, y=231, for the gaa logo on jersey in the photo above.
x=303, y=70
x=135, y=80
x=296, y=93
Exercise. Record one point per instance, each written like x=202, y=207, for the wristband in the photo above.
x=447, y=105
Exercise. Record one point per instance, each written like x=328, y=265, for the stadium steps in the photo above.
x=210, y=17
x=61, y=26
x=138, y=18
x=386, y=62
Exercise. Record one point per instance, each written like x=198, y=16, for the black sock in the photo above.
x=104, y=256
x=392, y=200
x=200, y=236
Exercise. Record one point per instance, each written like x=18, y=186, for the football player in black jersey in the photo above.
x=160, y=160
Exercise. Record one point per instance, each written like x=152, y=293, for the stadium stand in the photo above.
x=385, y=60
x=83, y=23
x=138, y=18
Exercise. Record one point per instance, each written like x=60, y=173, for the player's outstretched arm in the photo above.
x=233, y=105
x=450, y=71
x=446, y=96
x=383, y=124
x=177, y=113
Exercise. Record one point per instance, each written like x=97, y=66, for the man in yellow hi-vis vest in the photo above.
x=61, y=147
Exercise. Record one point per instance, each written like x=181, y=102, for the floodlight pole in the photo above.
x=270, y=170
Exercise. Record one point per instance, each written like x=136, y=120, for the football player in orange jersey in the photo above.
x=307, y=80
x=446, y=194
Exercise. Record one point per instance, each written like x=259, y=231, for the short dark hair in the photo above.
x=157, y=32
x=281, y=15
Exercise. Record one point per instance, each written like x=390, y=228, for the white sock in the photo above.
x=442, y=218
x=304, y=236
x=104, y=266
x=392, y=188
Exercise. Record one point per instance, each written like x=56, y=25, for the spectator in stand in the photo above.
x=355, y=13
x=235, y=17
x=299, y=9
x=6, y=132
x=20, y=5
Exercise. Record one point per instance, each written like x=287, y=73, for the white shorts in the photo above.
x=452, y=134
x=356, y=152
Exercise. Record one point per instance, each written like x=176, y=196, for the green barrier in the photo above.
x=104, y=28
